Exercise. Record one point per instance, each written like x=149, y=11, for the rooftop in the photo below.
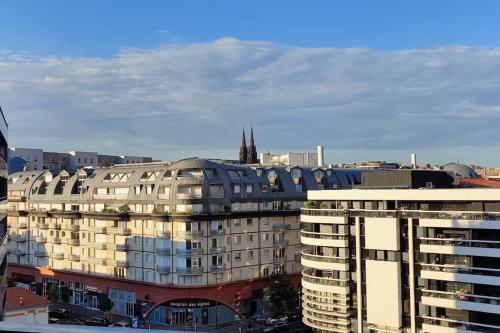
x=18, y=298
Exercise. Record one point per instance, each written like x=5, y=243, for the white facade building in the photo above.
x=402, y=260
x=299, y=159
x=82, y=159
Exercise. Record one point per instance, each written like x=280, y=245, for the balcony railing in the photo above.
x=100, y=261
x=110, y=196
x=97, y=230
x=18, y=238
x=73, y=242
x=220, y=249
x=163, y=269
x=42, y=226
x=217, y=268
x=189, y=196
x=164, y=251
x=218, y=232
x=17, y=252
x=22, y=225
x=461, y=296
x=460, y=325
x=306, y=254
x=41, y=253
x=189, y=270
x=55, y=240
x=163, y=234
x=121, y=247
x=279, y=260
x=40, y=239
x=57, y=255
x=281, y=226
x=323, y=212
x=460, y=242
x=192, y=233
x=189, y=251
x=119, y=231
x=163, y=196
x=280, y=242
x=323, y=235
x=459, y=269
x=55, y=226
x=100, y=246
x=71, y=227
x=74, y=257
x=307, y=276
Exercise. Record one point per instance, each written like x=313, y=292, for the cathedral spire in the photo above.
x=243, y=148
x=252, y=150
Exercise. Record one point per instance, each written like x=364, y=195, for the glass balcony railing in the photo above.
x=327, y=281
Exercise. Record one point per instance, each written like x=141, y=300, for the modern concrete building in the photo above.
x=402, y=257
x=4, y=159
x=33, y=157
x=303, y=159
x=196, y=238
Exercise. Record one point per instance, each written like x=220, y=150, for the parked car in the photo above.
x=278, y=327
x=120, y=324
x=59, y=313
x=97, y=321
x=73, y=322
x=258, y=318
x=53, y=320
x=273, y=321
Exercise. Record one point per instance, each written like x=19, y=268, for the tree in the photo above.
x=283, y=295
x=105, y=305
x=54, y=293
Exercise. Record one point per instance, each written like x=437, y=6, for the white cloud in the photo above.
x=181, y=98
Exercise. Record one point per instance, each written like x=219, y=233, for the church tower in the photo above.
x=243, y=148
x=252, y=150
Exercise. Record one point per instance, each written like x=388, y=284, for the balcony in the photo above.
x=322, y=262
x=189, y=270
x=163, y=234
x=55, y=240
x=41, y=253
x=163, y=251
x=74, y=257
x=96, y=230
x=281, y=226
x=42, y=226
x=279, y=261
x=41, y=239
x=324, y=284
x=187, y=196
x=192, y=233
x=327, y=216
x=73, y=242
x=120, y=247
x=458, y=273
x=280, y=242
x=461, y=300
x=433, y=324
x=217, y=268
x=164, y=196
x=110, y=196
x=458, y=246
x=71, y=227
x=99, y=261
x=188, y=252
x=123, y=231
x=22, y=225
x=55, y=226
x=118, y=263
x=57, y=256
x=163, y=269
x=218, y=232
x=17, y=252
x=18, y=238
x=99, y=246
x=324, y=239
x=215, y=250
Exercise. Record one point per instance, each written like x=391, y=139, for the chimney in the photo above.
x=321, y=162
x=413, y=157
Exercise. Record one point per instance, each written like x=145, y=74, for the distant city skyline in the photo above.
x=172, y=80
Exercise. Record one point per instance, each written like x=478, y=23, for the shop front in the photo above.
x=192, y=313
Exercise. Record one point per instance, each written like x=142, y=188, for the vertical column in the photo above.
x=359, y=277
x=411, y=277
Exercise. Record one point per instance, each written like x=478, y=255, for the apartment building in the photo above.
x=3, y=207
x=194, y=238
x=403, y=252
x=33, y=157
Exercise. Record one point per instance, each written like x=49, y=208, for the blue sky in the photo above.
x=368, y=79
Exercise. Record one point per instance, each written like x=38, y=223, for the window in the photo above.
x=236, y=188
x=237, y=256
x=250, y=238
x=265, y=271
x=138, y=257
x=149, y=258
x=249, y=188
x=237, y=223
x=249, y=222
x=237, y=239
x=265, y=236
x=265, y=253
x=250, y=255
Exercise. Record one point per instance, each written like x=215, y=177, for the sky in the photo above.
x=370, y=80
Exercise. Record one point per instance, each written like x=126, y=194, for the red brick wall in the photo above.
x=223, y=293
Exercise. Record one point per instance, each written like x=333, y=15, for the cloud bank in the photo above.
x=179, y=99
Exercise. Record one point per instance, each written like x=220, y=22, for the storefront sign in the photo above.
x=190, y=303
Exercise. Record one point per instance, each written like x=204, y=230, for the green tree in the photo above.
x=54, y=293
x=283, y=296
